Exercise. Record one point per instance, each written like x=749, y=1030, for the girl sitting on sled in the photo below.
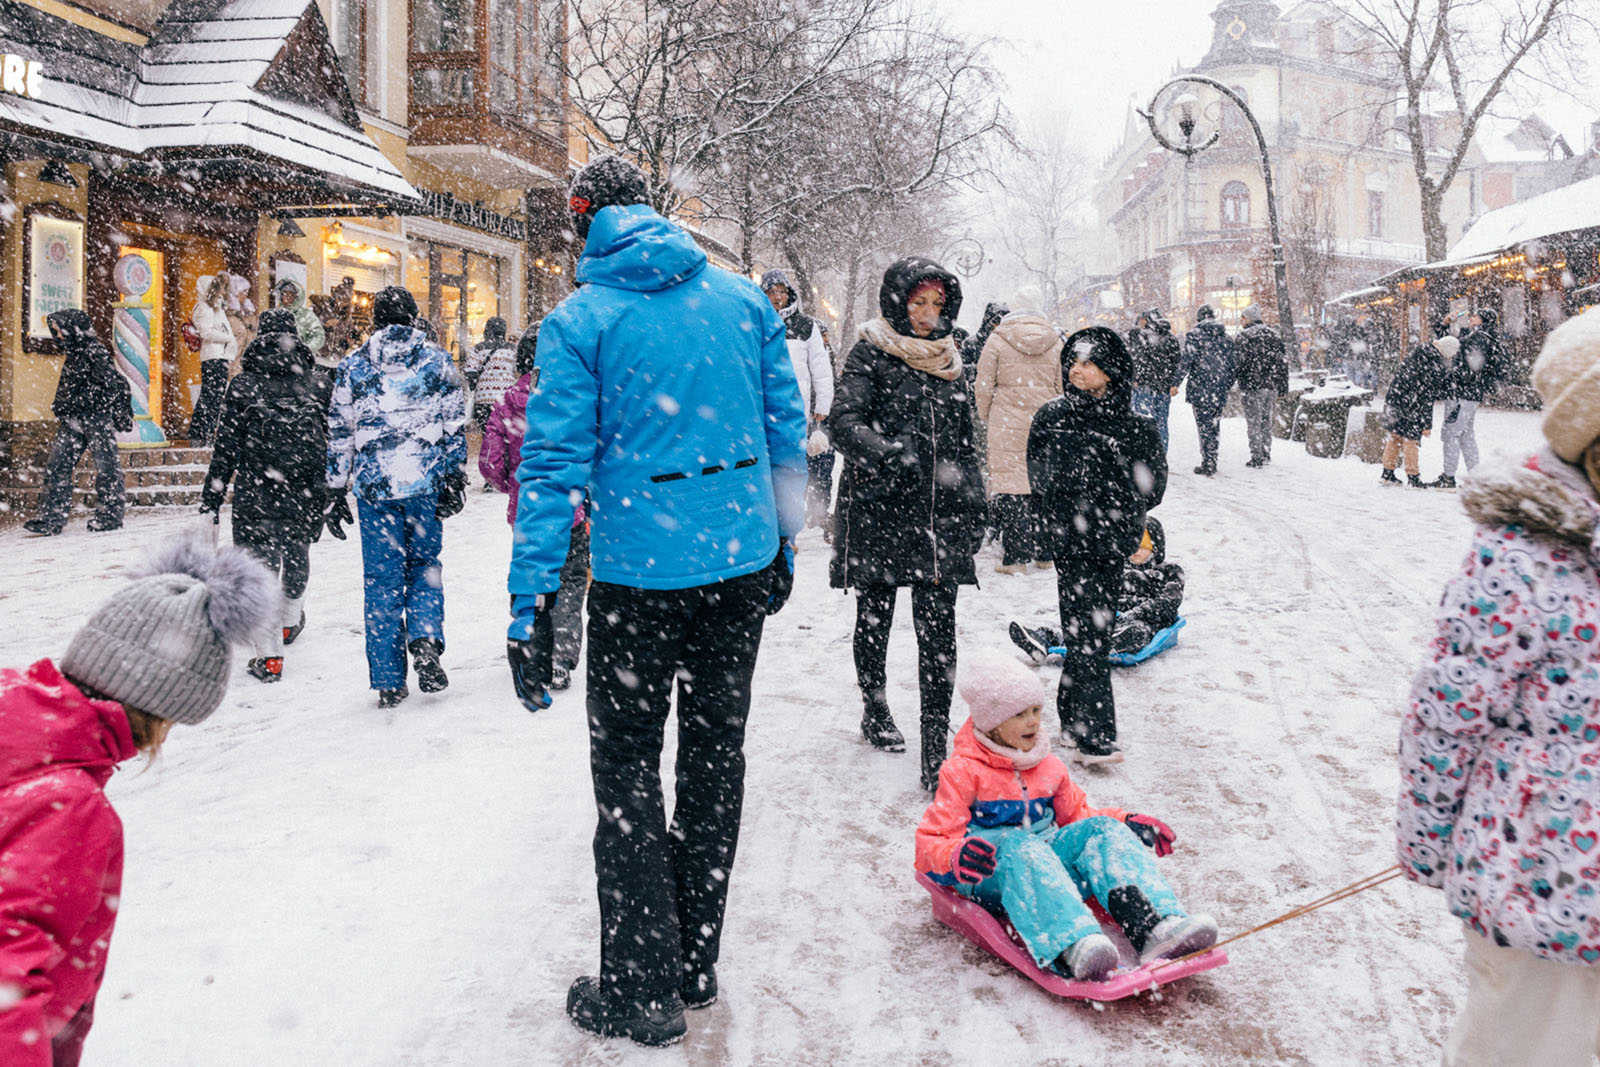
x=1009, y=828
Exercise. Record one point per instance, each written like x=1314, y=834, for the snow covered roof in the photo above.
x=216, y=78
x=1572, y=207
x=1526, y=140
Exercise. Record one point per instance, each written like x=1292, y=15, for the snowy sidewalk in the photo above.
x=312, y=881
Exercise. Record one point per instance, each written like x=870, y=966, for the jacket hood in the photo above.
x=1158, y=540
x=1110, y=354
x=46, y=724
x=70, y=324
x=778, y=277
x=631, y=247
x=901, y=278
x=278, y=355
x=967, y=744
x=397, y=346
x=1032, y=335
x=1489, y=317
x=494, y=331
x=299, y=300
x=993, y=312
x=1548, y=497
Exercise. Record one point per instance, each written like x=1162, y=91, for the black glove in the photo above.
x=213, y=510
x=336, y=512
x=452, y=495
x=781, y=570
x=532, y=659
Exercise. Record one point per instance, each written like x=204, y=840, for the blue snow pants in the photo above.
x=403, y=581
x=1042, y=879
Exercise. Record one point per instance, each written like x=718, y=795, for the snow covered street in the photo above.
x=311, y=881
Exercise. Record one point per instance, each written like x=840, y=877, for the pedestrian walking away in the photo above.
x=1478, y=367
x=667, y=395
x=1498, y=806
x=155, y=653
x=395, y=437
x=1019, y=370
x=1263, y=375
x=1097, y=468
x=1408, y=408
x=272, y=443
x=93, y=402
x=813, y=373
x=490, y=369
x=1208, y=367
x=497, y=462
x=1157, y=359
x=911, y=501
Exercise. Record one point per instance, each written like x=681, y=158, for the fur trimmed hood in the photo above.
x=1547, y=497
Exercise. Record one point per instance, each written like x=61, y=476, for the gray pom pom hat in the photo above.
x=161, y=643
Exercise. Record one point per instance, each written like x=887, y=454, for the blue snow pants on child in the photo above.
x=1042, y=879
x=403, y=580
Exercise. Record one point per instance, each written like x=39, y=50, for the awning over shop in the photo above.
x=221, y=84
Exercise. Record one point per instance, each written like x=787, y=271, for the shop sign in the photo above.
x=55, y=270
x=22, y=77
x=447, y=207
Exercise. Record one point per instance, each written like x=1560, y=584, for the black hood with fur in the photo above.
x=901, y=278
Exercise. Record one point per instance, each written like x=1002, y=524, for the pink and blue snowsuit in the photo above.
x=1053, y=851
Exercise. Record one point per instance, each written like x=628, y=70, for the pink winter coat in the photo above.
x=60, y=856
x=501, y=451
x=979, y=787
x=1500, y=750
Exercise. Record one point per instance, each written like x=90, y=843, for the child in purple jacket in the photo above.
x=497, y=462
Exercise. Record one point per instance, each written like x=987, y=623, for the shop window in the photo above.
x=1235, y=206
x=444, y=25
x=355, y=38
x=1374, y=213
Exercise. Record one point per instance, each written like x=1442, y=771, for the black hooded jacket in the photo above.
x=1095, y=466
x=972, y=347
x=911, y=500
x=1152, y=591
x=1260, y=362
x=272, y=437
x=90, y=386
x=1209, y=364
x=1156, y=357
x=1417, y=387
x=1480, y=364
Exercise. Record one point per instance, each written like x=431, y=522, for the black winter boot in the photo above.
x=391, y=698
x=878, y=727
x=425, y=655
x=1133, y=911
x=654, y=1024
x=934, y=747
x=1415, y=481
x=1444, y=481
x=1388, y=477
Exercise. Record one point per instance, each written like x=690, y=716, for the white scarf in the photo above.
x=1022, y=760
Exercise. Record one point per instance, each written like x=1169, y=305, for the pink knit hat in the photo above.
x=996, y=686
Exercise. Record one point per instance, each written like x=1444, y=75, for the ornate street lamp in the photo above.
x=1184, y=108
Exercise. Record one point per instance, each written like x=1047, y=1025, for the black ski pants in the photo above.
x=933, y=615
x=663, y=887
x=75, y=436
x=1087, y=588
x=1208, y=422
x=1022, y=536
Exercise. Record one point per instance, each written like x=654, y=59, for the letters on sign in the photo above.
x=23, y=77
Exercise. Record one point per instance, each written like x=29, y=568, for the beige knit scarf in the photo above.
x=939, y=358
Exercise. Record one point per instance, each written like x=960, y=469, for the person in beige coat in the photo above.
x=1018, y=371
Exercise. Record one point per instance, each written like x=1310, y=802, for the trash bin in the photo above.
x=1323, y=415
x=1364, y=434
x=1283, y=413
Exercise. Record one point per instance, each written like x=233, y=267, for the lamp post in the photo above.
x=1184, y=105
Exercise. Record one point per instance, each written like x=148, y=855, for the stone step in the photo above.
x=26, y=501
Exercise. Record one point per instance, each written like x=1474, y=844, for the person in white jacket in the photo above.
x=218, y=346
x=813, y=370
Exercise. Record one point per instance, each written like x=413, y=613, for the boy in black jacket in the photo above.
x=272, y=440
x=1096, y=468
x=93, y=401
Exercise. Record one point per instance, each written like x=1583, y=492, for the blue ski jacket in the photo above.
x=665, y=393
x=395, y=425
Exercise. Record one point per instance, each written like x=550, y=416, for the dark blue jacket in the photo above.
x=667, y=395
x=1208, y=363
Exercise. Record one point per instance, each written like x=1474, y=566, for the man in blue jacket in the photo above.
x=666, y=394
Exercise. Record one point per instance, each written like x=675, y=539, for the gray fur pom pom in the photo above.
x=242, y=597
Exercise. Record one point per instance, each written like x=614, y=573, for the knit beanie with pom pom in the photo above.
x=160, y=644
x=997, y=686
x=1567, y=375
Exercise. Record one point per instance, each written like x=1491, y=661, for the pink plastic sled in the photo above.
x=978, y=925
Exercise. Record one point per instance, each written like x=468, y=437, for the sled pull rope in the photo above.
x=1360, y=885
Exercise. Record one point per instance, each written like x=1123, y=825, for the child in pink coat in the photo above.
x=1009, y=828
x=154, y=654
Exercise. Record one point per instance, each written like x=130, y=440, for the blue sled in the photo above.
x=1163, y=640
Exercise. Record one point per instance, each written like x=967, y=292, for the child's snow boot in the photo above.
x=878, y=727
x=1415, y=481
x=267, y=668
x=294, y=609
x=654, y=1023
x=391, y=698
x=1089, y=959
x=1029, y=641
x=1388, y=477
x=1133, y=911
x=1179, y=935
x=425, y=655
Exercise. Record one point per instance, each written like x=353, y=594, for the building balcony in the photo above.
x=492, y=149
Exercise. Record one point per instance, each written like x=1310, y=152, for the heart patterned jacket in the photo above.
x=1500, y=749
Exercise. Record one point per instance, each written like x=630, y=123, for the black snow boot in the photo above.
x=699, y=989
x=292, y=632
x=1388, y=477
x=1444, y=481
x=1133, y=911
x=1415, y=481
x=1030, y=641
x=391, y=698
x=425, y=656
x=654, y=1024
x=43, y=527
x=878, y=727
x=934, y=747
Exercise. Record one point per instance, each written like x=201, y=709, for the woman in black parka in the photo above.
x=1096, y=468
x=272, y=442
x=911, y=499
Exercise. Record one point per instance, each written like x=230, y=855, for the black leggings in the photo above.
x=933, y=614
x=1087, y=589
